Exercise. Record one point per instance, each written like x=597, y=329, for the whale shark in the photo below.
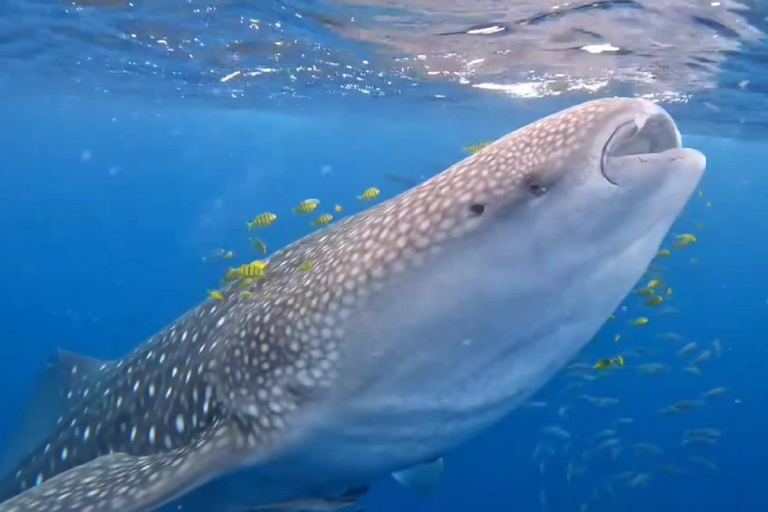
x=422, y=321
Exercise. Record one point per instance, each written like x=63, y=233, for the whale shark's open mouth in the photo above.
x=648, y=134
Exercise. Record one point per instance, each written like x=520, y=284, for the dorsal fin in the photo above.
x=75, y=372
x=59, y=387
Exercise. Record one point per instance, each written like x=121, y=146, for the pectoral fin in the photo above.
x=129, y=483
x=422, y=478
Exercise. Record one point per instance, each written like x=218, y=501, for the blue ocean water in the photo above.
x=124, y=161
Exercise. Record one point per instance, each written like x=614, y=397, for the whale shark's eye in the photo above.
x=536, y=189
x=477, y=209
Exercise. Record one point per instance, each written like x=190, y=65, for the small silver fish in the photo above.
x=703, y=432
x=702, y=358
x=690, y=347
x=542, y=448
x=605, y=433
x=556, y=431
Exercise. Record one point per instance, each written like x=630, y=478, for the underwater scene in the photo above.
x=383, y=255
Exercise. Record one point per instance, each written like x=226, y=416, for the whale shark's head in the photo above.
x=601, y=182
x=614, y=165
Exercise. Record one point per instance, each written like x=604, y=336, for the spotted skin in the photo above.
x=226, y=384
